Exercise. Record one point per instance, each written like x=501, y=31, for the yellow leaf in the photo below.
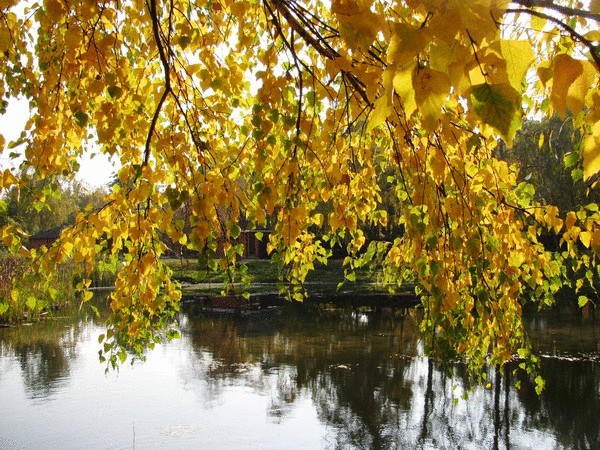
x=345, y=7
x=54, y=9
x=67, y=248
x=591, y=152
x=8, y=179
x=438, y=164
x=5, y=40
x=544, y=71
x=518, y=56
x=431, y=90
x=566, y=70
x=194, y=68
x=450, y=59
x=571, y=219
x=358, y=24
x=72, y=38
x=447, y=24
x=359, y=30
x=585, y=238
x=479, y=16
x=595, y=241
x=593, y=35
x=380, y=112
x=404, y=89
x=580, y=87
x=406, y=43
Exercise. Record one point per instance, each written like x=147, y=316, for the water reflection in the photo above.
x=44, y=352
x=345, y=379
x=372, y=388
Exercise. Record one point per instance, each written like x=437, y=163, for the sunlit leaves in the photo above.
x=519, y=57
x=381, y=110
x=330, y=125
x=431, y=89
x=358, y=24
x=404, y=88
x=591, y=152
x=565, y=71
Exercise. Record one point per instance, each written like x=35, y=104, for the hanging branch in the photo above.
x=594, y=49
x=151, y=5
x=318, y=43
x=567, y=11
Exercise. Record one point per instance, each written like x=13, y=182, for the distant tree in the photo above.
x=547, y=154
x=38, y=205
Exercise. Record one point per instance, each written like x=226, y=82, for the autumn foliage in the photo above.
x=285, y=113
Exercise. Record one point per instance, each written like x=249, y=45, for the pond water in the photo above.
x=299, y=379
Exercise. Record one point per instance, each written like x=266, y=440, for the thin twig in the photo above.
x=574, y=34
x=567, y=11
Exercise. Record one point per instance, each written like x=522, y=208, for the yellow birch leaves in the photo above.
x=322, y=121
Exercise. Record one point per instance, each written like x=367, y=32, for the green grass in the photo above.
x=189, y=271
x=259, y=271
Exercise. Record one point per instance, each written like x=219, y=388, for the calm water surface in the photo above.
x=296, y=380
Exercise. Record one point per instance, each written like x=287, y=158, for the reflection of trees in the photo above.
x=44, y=352
x=44, y=365
x=570, y=404
x=373, y=390
x=346, y=362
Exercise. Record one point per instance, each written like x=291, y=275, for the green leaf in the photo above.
x=582, y=301
x=571, y=159
x=498, y=105
x=114, y=91
x=31, y=302
x=184, y=41
x=235, y=231
x=525, y=193
x=81, y=118
x=539, y=384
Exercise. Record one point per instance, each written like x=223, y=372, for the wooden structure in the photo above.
x=253, y=246
x=46, y=237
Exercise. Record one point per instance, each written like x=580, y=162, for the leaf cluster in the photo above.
x=284, y=114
